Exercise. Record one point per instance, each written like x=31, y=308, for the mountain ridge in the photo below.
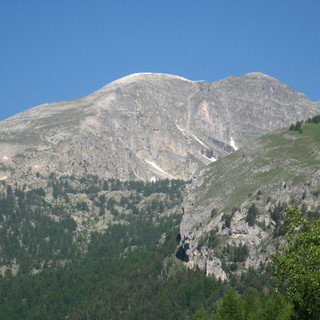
x=148, y=126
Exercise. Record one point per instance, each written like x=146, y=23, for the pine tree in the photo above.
x=231, y=307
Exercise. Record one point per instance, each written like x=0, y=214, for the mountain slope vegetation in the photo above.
x=53, y=225
x=61, y=257
x=233, y=215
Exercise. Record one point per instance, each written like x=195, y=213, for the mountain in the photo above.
x=147, y=126
x=79, y=240
x=233, y=214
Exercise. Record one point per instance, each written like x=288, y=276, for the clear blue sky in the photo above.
x=65, y=49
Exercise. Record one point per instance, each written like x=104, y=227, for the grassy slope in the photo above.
x=286, y=156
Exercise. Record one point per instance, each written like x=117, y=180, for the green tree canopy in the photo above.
x=298, y=264
x=231, y=307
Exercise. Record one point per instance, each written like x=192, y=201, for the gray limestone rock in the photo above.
x=147, y=126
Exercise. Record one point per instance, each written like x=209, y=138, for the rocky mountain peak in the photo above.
x=147, y=126
x=145, y=76
x=258, y=75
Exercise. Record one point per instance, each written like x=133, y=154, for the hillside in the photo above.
x=52, y=226
x=95, y=249
x=90, y=210
x=147, y=126
x=233, y=213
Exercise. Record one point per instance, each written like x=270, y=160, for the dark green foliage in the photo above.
x=231, y=307
x=29, y=236
x=121, y=277
x=259, y=194
x=297, y=126
x=236, y=254
x=210, y=239
x=111, y=203
x=128, y=272
x=298, y=263
x=277, y=214
x=213, y=239
x=201, y=314
x=250, y=306
x=105, y=185
x=251, y=215
x=241, y=253
x=227, y=220
x=83, y=206
x=315, y=119
x=213, y=212
x=38, y=232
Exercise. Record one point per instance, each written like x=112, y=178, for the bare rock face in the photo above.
x=147, y=126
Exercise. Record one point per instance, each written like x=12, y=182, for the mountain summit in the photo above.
x=147, y=126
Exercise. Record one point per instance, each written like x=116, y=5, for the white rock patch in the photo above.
x=233, y=144
x=212, y=159
x=182, y=130
x=154, y=165
x=197, y=139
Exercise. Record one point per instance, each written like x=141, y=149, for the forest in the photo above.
x=129, y=270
